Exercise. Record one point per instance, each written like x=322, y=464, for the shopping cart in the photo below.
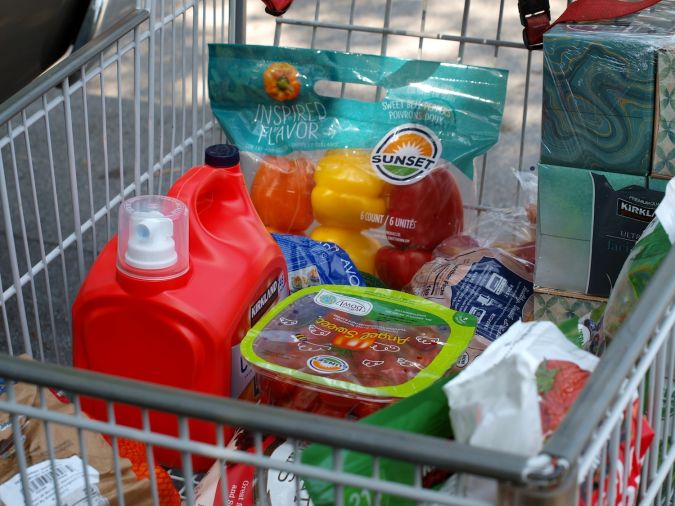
x=128, y=113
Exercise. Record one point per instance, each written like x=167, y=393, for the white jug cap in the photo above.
x=153, y=237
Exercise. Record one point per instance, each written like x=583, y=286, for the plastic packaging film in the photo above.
x=337, y=146
x=600, y=102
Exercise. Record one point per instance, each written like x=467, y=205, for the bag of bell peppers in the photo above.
x=383, y=173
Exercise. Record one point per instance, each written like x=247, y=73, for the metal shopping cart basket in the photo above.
x=128, y=112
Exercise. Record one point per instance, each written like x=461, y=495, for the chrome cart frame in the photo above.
x=128, y=112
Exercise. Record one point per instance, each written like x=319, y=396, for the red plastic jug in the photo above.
x=155, y=310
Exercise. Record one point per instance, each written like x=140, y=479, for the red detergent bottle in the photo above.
x=170, y=297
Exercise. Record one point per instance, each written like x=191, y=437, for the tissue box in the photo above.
x=587, y=224
x=599, y=93
x=558, y=306
x=657, y=183
x=663, y=159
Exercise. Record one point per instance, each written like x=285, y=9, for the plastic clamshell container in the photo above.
x=348, y=351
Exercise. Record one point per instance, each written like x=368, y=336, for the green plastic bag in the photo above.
x=641, y=264
x=584, y=331
x=424, y=413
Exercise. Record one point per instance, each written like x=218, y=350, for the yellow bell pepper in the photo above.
x=360, y=248
x=347, y=193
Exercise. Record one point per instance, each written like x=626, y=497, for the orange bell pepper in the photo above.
x=281, y=193
x=281, y=81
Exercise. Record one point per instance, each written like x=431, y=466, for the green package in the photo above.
x=424, y=413
x=642, y=264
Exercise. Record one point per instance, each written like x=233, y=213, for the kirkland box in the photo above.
x=599, y=102
x=657, y=183
x=588, y=222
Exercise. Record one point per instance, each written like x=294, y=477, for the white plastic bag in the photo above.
x=495, y=402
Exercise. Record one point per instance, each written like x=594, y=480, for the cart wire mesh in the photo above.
x=128, y=113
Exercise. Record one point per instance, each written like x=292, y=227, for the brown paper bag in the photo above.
x=68, y=462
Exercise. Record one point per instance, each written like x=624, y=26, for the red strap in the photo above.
x=535, y=26
x=594, y=10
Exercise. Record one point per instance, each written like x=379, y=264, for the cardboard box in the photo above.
x=558, y=306
x=663, y=159
x=599, y=91
x=587, y=224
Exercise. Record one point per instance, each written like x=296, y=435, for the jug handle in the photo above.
x=204, y=187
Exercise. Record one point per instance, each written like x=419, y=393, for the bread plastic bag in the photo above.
x=642, y=263
x=511, y=228
x=489, y=283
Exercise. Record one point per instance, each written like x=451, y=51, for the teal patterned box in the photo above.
x=663, y=160
x=596, y=141
x=558, y=306
x=599, y=92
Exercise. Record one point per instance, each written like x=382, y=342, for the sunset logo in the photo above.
x=327, y=364
x=406, y=154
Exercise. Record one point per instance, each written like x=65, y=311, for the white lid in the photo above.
x=153, y=237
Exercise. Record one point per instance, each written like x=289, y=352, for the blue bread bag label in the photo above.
x=313, y=263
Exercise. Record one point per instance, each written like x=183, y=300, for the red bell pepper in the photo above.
x=424, y=213
x=397, y=267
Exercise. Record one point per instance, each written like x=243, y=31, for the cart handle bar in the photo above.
x=388, y=443
x=591, y=407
